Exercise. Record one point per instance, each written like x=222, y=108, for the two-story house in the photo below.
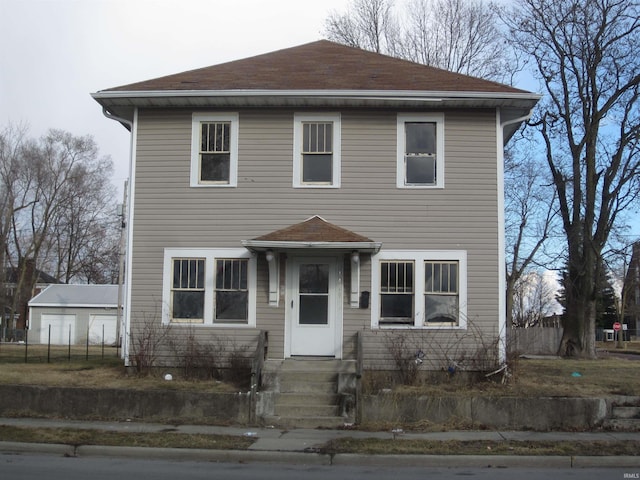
x=322, y=194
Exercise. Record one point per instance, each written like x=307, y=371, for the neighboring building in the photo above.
x=14, y=299
x=631, y=292
x=317, y=193
x=64, y=314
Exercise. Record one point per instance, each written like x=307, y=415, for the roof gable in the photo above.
x=321, y=65
x=314, y=229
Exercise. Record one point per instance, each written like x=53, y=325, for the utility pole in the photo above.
x=122, y=262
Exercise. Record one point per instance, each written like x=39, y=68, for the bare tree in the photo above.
x=367, y=24
x=586, y=56
x=456, y=35
x=534, y=299
x=530, y=214
x=56, y=199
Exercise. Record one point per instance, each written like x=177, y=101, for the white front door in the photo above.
x=314, y=306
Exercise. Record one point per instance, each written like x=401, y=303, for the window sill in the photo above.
x=422, y=327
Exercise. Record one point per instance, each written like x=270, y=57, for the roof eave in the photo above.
x=262, y=245
x=123, y=103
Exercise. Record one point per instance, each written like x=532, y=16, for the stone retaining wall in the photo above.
x=115, y=404
x=233, y=408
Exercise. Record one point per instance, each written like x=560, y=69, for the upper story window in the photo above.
x=214, y=149
x=316, y=161
x=419, y=289
x=420, y=162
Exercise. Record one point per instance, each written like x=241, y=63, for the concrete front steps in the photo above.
x=305, y=392
x=625, y=414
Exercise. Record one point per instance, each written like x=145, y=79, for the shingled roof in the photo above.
x=313, y=232
x=321, y=65
x=320, y=74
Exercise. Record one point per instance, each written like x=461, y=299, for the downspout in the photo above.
x=123, y=327
x=502, y=274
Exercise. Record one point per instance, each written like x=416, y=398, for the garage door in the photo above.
x=63, y=327
x=102, y=327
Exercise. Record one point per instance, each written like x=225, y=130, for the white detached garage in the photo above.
x=63, y=314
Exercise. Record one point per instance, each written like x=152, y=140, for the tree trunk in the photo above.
x=579, y=321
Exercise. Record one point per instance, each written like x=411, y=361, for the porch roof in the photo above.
x=313, y=233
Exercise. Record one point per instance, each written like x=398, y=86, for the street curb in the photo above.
x=476, y=461
x=343, y=459
x=46, y=448
x=197, y=454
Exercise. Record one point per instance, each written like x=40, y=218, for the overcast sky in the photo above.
x=55, y=53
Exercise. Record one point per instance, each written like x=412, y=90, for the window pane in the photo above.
x=177, y=273
x=317, y=168
x=232, y=305
x=384, y=277
x=317, y=137
x=428, y=277
x=420, y=138
x=453, y=278
x=399, y=306
x=188, y=305
x=441, y=277
x=441, y=308
x=314, y=309
x=314, y=278
x=215, y=167
x=421, y=170
x=215, y=137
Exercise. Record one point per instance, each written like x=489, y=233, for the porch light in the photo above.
x=269, y=256
x=355, y=257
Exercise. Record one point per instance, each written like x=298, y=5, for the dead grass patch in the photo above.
x=550, y=377
x=75, y=437
x=375, y=446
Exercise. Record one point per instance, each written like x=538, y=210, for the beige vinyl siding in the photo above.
x=462, y=216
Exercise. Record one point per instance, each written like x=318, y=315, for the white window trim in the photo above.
x=419, y=257
x=196, y=120
x=298, y=120
x=210, y=255
x=403, y=118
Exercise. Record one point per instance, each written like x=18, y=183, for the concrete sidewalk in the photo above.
x=302, y=446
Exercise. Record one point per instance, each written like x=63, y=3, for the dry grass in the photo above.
x=551, y=377
x=68, y=436
x=375, y=446
x=96, y=372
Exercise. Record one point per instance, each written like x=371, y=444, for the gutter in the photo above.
x=128, y=124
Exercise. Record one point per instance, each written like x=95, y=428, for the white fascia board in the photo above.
x=423, y=95
x=267, y=244
x=71, y=305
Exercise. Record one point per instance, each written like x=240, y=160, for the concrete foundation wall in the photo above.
x=539, y=414
x=89, y=403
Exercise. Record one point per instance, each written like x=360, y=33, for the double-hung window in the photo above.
x=419, y=289
x=316, y=162
x=396, y=292
x=209, y=286
x=214, y=149
x=441, y=293
x=232, y=293
x=187, y=290
x=420, y=162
